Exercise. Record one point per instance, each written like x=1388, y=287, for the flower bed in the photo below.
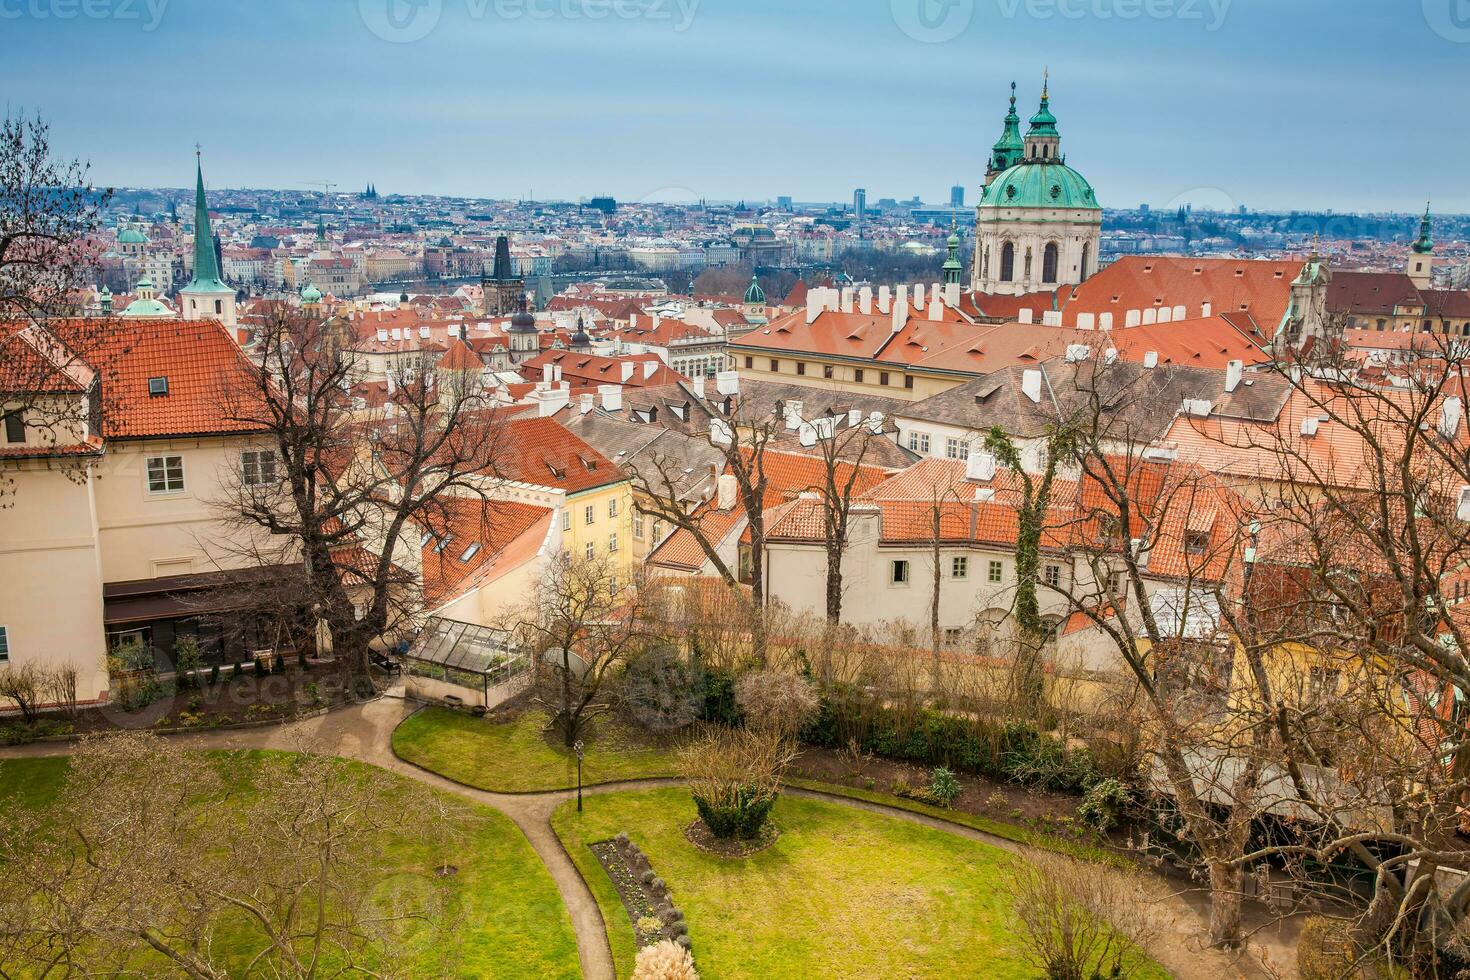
x=645, y=896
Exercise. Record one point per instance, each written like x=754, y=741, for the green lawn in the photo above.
x=515, y=757
x=842, y=893
x=514, y=923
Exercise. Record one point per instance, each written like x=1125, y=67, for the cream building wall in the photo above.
x=50, y=564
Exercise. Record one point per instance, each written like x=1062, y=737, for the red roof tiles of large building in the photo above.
x=584, y=370
x=469, y=540
x=1140, y=282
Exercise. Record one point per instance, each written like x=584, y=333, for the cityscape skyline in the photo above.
x=711, y=100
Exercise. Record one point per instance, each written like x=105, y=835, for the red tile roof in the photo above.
x=544, y=453
x=497, y=527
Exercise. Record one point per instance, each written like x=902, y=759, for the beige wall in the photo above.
x=146, y=535
x=51, y=600
x=843, y=375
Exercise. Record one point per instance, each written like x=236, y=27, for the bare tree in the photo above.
x=842, y=451
x=351, y=488
x=24, y=685
x=148, y=853
x=662, y=482
x=582, y=628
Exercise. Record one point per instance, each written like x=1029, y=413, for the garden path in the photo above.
x=363, y=732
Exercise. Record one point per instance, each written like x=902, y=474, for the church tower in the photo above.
x=1038, y=225
x=1421, y=255
x=503, y=292
x=207, y=297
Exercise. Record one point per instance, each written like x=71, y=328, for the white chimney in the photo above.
x=808, y=434
x=900, y=311
x=885, y=300
x=865, y=300
x=1105, y=321
x=1031, y=384
x=382, y=334
x=1077, y=352
x=847, y=295
x=980, y=466
x=813, y=304
x=546, y=373
x=1132, y=318
x=612, y=397
x=627, y=370
x=720, y=433
x=875, y=423
x=1181, y=313
x=1026, y=316
x=1309, y=426
x=727, y=383
x=1086, y=321
x=952, y=295
x=1234, y=371
x=1150, y=316
x=1151, y=359
x=1206, y=311
x=727, y=491
x=1198, y=407
x=1449, y=417
x=648, y=368
x=854, y=418
x=793, y=413
x=586, y=402
x=632, y=321
x=936, y=308
x=697, y=385
x=556, y=373
x=919, y=296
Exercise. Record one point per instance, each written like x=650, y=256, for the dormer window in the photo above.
x=470, y=552
x=157, y=387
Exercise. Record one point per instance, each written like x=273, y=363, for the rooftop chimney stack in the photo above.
x=1031, y=384
x=1234, y=371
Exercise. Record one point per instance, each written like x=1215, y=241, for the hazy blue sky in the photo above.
x=1349, y=104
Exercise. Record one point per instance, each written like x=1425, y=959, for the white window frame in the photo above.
x=566, y=520
x=591, y=550
x=995, y=572
x=919, y=442
x=167, y=490
x=893, y=572
x=256, y=457
x=589, y=514
x=956, y=448
x=612, y=543
x=638, y=527
x=1052, y=575
x=612, y=508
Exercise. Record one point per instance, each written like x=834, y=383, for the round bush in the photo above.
x=744, y=819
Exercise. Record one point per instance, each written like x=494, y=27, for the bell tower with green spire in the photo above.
x=1421, y=255
x=1043, y=142
x=208, y=296
x=1008, y=150
x=953, y=268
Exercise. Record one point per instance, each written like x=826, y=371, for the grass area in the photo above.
x=513, y=921
x=515, y=757
x=996, y=828
x=843, y=892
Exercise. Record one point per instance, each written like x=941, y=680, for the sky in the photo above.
x=1354, y=105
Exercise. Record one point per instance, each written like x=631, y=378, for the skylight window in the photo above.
x=158, y=387
x=443, y=543
x=470, y=552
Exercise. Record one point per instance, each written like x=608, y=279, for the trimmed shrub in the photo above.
x=734, y=776
x=1103, y=805
x=741, y=816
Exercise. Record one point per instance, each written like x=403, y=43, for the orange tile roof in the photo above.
x=506, y=532
x=1139, y=282
x=544, y=453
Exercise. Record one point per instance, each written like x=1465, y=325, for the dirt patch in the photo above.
x=699, y=834
x=230, y=700
x=982, y=797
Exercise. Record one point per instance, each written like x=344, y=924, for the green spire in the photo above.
x=1425, y=244
x=1044, y=123
x=1009, y=148
x=952, y=266
x=206, y=264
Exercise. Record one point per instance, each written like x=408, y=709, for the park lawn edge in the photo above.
x=995, y=828
x=615, y=922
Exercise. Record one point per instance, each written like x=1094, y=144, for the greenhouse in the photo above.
x=462, y=664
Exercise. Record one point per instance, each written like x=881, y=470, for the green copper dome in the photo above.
x=1039, y=184
x=131, y=236
x=1425, y=244
x=310, y=294
x=755, y=295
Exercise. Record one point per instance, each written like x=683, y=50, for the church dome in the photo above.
x=310, y=294
x=755, y=295
x=522, y=321
x=1039, y=184
x=581, y=337
x=131, y=236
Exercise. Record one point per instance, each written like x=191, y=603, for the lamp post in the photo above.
x=581, y=751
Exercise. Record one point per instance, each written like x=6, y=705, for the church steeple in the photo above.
x=1421, y=255
x=208, y=296
x=953, y=268
x=1008, y=149
x=1043, y=142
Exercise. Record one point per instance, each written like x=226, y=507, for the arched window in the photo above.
x=1049, y=263
x=1007, y=262
x=1086, y=255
